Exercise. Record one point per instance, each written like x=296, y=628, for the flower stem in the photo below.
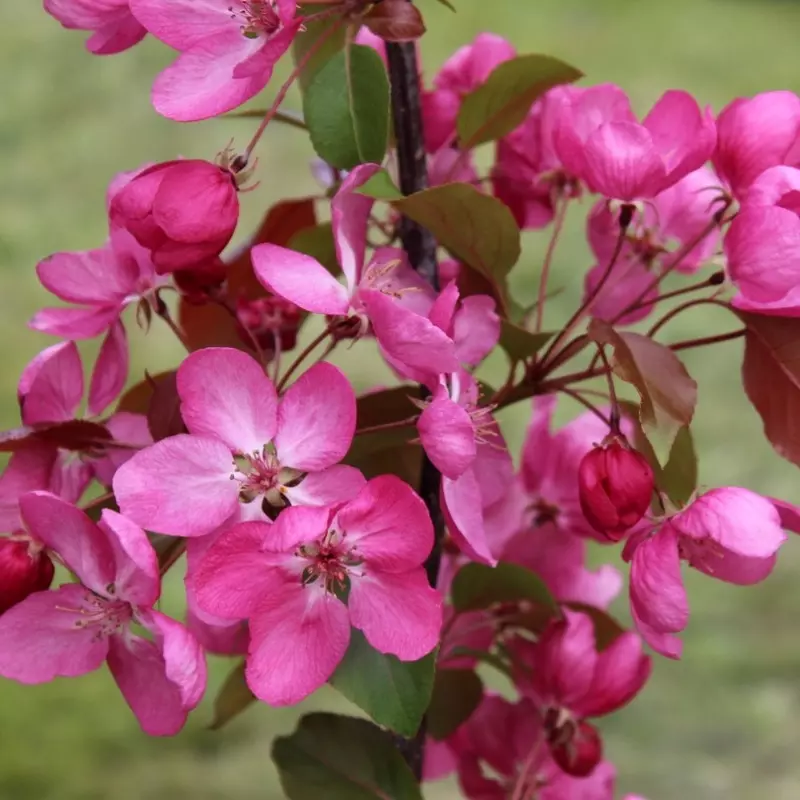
x=283, y=91
x=558, y=225
x=307, y=352
x=702, y=301
x=626, y=216
x=420, y=246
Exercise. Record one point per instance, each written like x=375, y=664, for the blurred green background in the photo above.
x=724, y=722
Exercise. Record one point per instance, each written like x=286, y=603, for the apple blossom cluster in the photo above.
x=315, y=542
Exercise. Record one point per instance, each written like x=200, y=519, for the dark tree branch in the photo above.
x=420, y=246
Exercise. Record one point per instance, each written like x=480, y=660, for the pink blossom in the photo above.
x=527, y=174
x=550, y=464
x=72, y=630
x=184, y=212
x=475, y=476
x=599, y=141
x=763, y=245
x=673, y=219
x=557, y=556
x=464, y=71
x=570, y=681
x=450, y=165
x=287, y=579
x=386, y=293
x=51, y=390
x=113, y=27
x=228, y=49
x=493, y=749
x=243, y=446
x=730, y=534
x=754, y=134
x=98, y=284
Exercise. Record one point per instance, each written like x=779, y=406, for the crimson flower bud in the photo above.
x=270, y=320
x=184, y=212
x=615, y=486
x=21, y=572
x=579, y=752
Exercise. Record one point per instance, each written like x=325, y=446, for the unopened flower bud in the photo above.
x=271, y=321
x=21, y=572
x=184, y=212
x=615, y=485
x=576, y=748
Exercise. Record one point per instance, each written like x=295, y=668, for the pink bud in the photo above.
x=21, y=572
x=615, y=485
x=576, y=748
x=184, y=212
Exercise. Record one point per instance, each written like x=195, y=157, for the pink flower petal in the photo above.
x=349, y=214
x=39, y=638
x=200, y=83
x=564, y=660
x=622, y=670
x=763, y=249
x=476, y=329
x=683, y=135
x=408, y=338
x=448, y=436
x=389, y=524
x=184, y=659
x=226, y=395
x=116, y=36
x=296, y=526
x=179, y=486
x=137, y=577
x=666, y=644
x=75, y=323
x=183, y=23
x=464, y=510
x=316, y=419
x=139, y=670
x=91, y=277
x=51, y=386
x=124, y=426
x=297, y=639
x=658, y=596
x=110, y=370
x=300, y=279
x=67, y=530
x=398, y=613
x=622, y=162
x=336, y=484
x=235, y=574
x=28, y=470
x=736, y=520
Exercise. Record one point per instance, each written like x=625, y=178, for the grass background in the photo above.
x=723, y=723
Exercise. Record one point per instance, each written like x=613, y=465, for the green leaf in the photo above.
x=456, y=694
x=678, y=477
x=521, y=344
x=500, y=104
x=318, y=243
x=380, y=186
x=393, y=693
x=476, y=228
x=606, y=629
x=342, y=758
x=478, y=586
x=346, y=108
x=667, y=392
x=234, y=697
x=307, y=39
